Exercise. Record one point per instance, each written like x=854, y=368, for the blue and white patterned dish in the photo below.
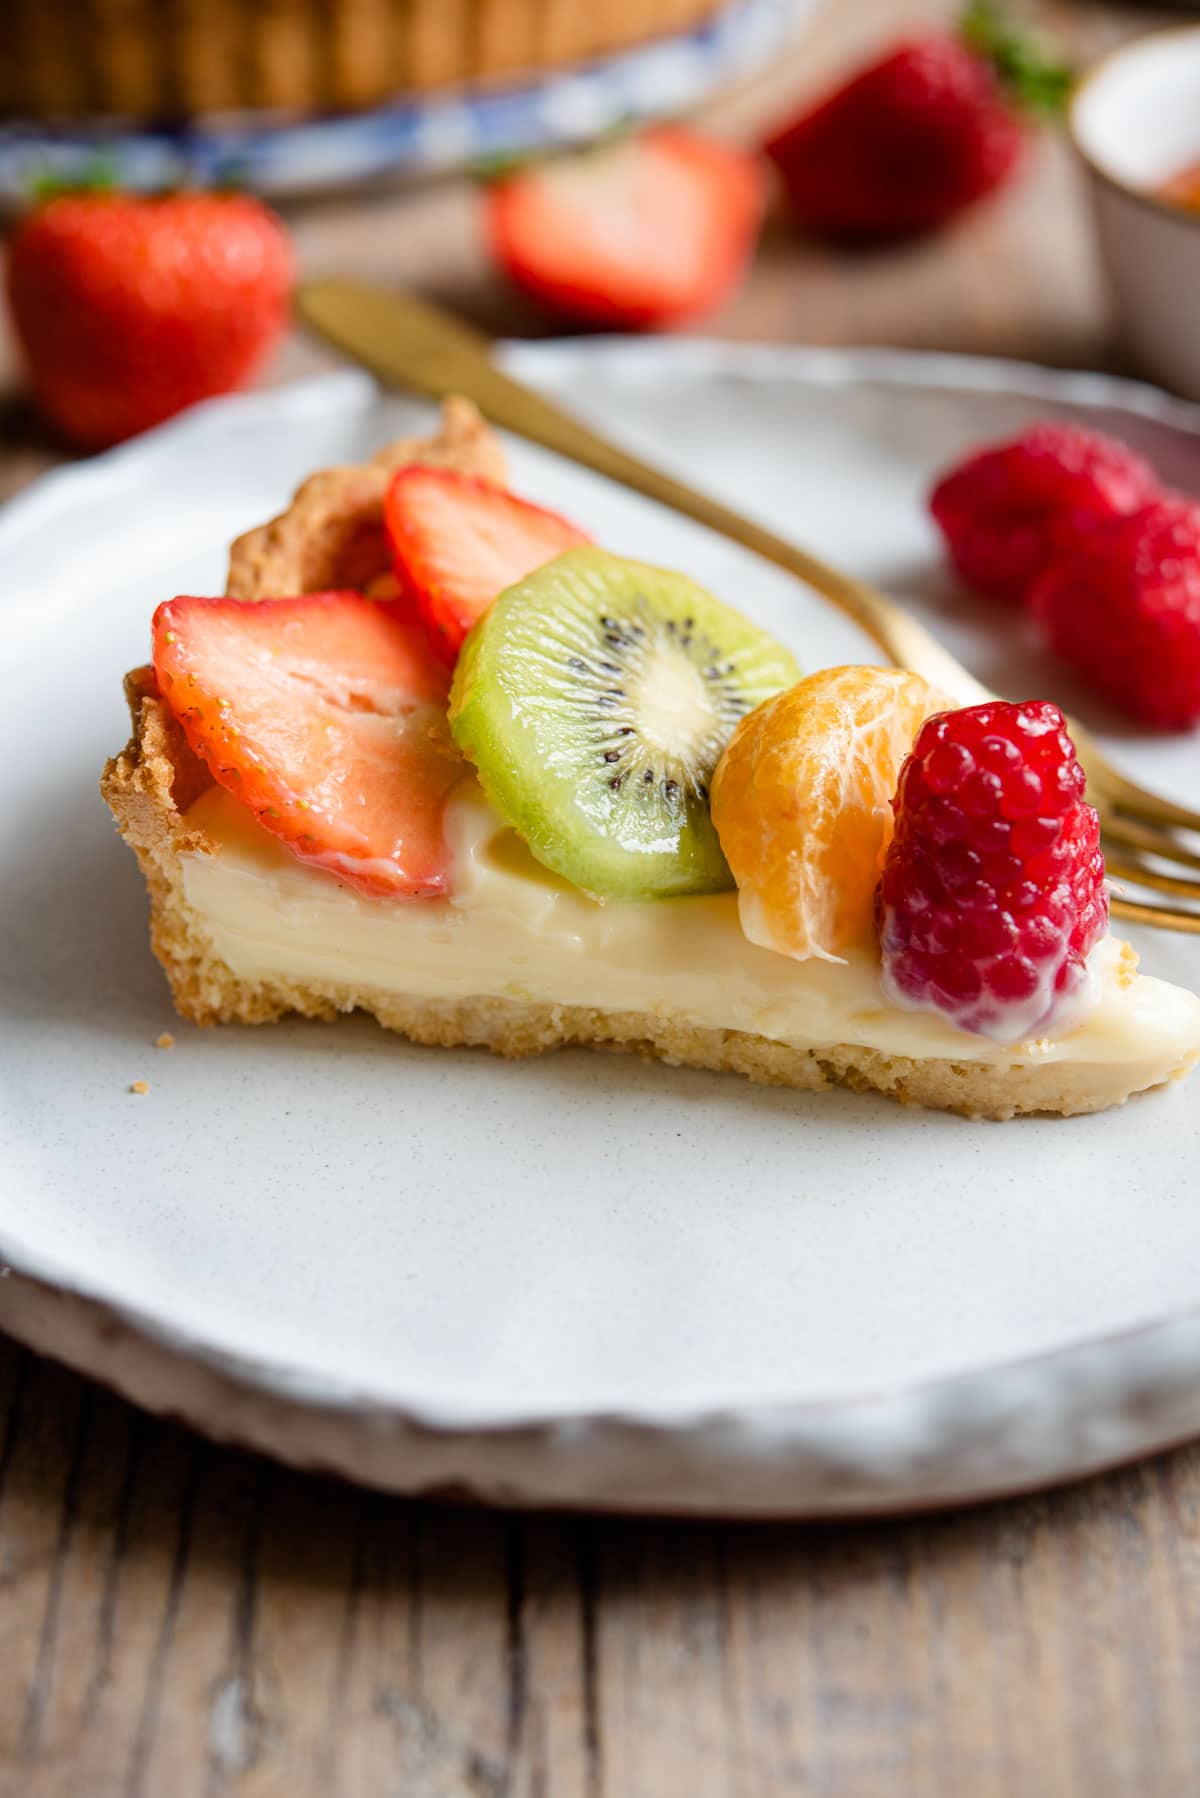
x=427, y=134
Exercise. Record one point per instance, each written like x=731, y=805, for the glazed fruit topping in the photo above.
x=1011, y=509
x=326, y=716
x=458, y=541
x=1124, y=609
x=992, y=894
x=802, y=804
x=594, y=699
x=651, y=230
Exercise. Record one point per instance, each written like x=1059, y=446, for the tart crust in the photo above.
x=132, y=58
x=331, y=536
x=332, y=533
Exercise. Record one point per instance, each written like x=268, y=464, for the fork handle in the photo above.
x=409, y=344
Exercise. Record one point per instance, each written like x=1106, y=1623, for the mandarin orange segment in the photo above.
x=801, y=800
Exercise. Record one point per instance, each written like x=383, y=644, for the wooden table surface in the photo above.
x=179, y=1620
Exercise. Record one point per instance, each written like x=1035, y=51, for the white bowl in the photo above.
x=1135, y=121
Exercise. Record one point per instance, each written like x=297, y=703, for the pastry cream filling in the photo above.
x=511, y=929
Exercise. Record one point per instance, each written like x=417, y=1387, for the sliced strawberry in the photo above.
x=459, y=541
x=326, y=716
x=648, y=231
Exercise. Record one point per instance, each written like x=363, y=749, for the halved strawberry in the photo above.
x=326, y=716
x=648, y=231
x=459, y=541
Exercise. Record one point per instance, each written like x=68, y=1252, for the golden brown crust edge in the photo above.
x=150, y=61
x=152, y=782
x=332, y=533
x=154, y=779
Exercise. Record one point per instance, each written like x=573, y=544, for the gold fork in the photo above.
x=411, y=344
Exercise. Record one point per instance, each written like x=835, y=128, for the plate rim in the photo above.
x=1088, y=1404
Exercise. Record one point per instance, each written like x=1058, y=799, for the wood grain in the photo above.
x=183, y=1621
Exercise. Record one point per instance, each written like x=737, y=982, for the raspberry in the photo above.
x=1124, y=608
x=993, y=891
x=1009, y=510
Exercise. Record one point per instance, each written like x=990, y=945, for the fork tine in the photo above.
x=1150, y=808
x=1163, y=917
x=1127, y=834
x=1115, y=789
x=1138, y=874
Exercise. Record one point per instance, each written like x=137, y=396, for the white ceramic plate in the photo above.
x=580, y=1280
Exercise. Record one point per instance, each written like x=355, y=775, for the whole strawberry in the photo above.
x=1123, y=607
x=918, y=136
x=129, y=309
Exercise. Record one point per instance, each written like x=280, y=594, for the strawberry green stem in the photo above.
x=1033, y=77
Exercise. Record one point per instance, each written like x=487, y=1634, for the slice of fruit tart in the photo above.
x=462, y=769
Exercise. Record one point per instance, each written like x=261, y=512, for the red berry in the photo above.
x=1124, y=608
x=326, y=717
x=129, y=309
x=1009, y=510
x=649, y=231
x=992, y=893
x=458, y=541
x=911, y=141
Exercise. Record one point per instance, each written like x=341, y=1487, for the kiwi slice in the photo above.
x=595, y=698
